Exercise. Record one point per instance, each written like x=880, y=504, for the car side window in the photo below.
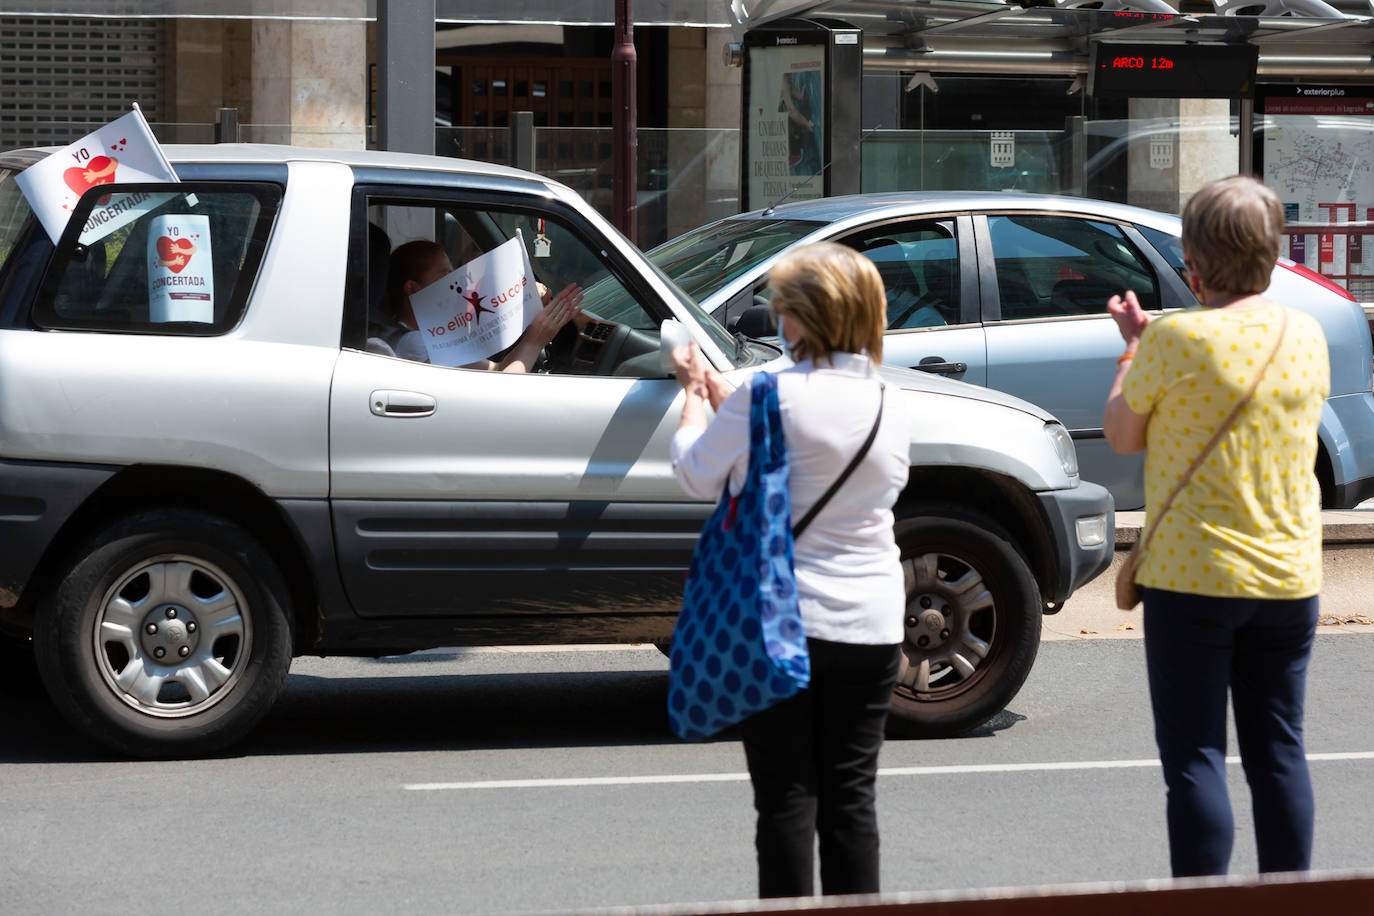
x=1053, y=266
x=919, y=265
x=557, y=256
x=159, y=259
x=1171, y=248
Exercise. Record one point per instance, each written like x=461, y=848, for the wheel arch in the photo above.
x=1326, y=476
x=995, y=496
x=139, y=488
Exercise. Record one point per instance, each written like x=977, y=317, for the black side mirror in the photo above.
x=756, y=321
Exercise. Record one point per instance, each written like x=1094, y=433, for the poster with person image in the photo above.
x=479, y=309
x=786, y=134
x=181, y=275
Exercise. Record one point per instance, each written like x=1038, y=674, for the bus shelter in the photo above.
x=1137, y=101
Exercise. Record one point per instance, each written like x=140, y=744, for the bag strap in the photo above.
x=1216, y=437
x=819, y=504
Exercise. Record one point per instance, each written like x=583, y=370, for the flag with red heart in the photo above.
x=181, y=275
x=122, y=152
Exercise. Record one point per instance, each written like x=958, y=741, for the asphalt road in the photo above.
x=494, y=782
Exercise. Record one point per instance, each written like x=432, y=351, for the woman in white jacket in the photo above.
x=813, y=758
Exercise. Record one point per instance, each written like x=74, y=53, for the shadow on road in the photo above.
x=333, y=715
x=349, y=715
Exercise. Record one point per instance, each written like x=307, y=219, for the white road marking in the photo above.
x=963, y=769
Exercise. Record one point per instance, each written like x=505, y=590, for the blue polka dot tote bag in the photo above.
x=738, y=646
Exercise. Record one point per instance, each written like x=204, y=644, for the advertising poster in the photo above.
x=479, y=309
x=786, y=122
x=1318, y=152
x=122, y=151
x=181, y=275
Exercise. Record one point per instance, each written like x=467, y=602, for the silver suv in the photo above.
x=192, y=495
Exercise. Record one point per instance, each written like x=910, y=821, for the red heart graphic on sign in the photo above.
x=100, y=170
x=175, y=254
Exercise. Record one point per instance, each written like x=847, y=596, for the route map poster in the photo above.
x=1317, y=149
x=786, y=123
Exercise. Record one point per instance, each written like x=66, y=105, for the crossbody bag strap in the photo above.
x=1216, y=437
x=819, y=504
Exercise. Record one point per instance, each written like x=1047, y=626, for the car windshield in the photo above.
x=706, y=259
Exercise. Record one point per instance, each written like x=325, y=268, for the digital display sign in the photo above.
x=1172, y=71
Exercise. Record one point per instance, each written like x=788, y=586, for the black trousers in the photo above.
x=813, y=760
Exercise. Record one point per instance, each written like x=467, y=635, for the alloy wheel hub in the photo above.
x=169, y=634
x=929, y=628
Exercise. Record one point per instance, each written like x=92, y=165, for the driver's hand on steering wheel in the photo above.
x=558, y=310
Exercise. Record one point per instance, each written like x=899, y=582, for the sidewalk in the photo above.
x=1347, y=564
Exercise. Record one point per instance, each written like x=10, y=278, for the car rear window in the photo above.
x=159, y=258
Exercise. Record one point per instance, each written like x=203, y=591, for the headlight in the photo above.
x=1063, y=447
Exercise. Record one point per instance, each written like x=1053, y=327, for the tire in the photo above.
x=168, y=634
x=972, y=623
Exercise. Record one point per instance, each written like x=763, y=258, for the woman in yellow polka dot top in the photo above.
x=1232, y=571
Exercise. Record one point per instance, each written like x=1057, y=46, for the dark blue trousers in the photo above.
x=813, y=759
x=1195, y=648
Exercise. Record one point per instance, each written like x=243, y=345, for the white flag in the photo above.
x=122, y=151
x=479, y=309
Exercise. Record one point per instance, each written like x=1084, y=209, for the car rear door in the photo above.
x=1046, y=278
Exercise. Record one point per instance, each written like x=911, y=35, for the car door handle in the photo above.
x=938, y=364
x=391, y=403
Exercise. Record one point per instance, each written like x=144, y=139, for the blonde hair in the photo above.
x=834, y=296
x=1231, y=233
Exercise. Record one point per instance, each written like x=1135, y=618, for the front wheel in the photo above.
x=972, y=623
x=167, y=634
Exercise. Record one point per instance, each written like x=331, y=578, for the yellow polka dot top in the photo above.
x=1248, y=523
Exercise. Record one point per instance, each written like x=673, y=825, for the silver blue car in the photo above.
x=1008, y=290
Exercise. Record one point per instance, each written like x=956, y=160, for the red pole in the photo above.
x=624, y=120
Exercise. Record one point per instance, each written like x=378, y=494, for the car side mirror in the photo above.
x=756, y=321
x=671, y=334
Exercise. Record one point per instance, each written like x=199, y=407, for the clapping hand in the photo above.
x=1130, y=318
x=558, y=310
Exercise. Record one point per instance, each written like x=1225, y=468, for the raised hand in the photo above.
x=1130, y=318
x=558, y=310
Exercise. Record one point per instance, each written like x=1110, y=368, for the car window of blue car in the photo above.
x=919, y=264
x=1055, y=266
x=1169, y=246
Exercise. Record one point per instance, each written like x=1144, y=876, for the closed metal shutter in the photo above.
x=61, y=78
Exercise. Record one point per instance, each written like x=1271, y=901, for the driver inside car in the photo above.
x=414, y=266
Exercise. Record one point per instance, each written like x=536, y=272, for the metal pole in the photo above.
x=522, y=141
x=624, y=127
x=227, y=125
x=1247, y=137
x=405, y=75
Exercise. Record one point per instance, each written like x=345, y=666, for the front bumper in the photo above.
x=1079, y=564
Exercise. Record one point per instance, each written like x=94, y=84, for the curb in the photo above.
x=1347, y=556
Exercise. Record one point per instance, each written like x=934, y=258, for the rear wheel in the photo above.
x=167, y=635
x=972, y=621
